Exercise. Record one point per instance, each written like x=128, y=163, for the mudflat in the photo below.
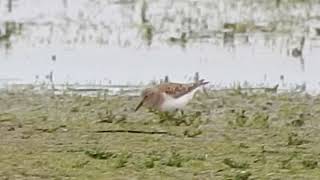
x=225, y=135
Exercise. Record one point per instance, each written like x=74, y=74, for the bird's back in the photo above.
x=179, y=89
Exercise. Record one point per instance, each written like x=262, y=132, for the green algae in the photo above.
x=222, y=136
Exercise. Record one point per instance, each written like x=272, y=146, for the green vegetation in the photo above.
x=244, y=135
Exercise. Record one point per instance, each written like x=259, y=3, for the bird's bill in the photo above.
x=139, y=105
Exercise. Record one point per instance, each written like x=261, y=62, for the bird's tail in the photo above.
x=202, y=82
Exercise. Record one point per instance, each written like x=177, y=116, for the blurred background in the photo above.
x=135, y=42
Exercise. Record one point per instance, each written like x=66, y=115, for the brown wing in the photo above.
x=176, y=89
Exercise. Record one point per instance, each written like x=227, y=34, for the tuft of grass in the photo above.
x=175, y=159
x=121, y=160
x=148, y=33
x=241, y=118
x=80, y=164
x=237, y=27
x=295, y=140
x=75, y=109
x=7, y=117
x=260, y=120
x=243, y=175
x=149, y=162
x=297, y=123
x=178, y=120
x=233, y=164
x=192, y=132
x=310, y=164
x=285, y=164
x=182, y=40
x=106, y=117
x=96, y=154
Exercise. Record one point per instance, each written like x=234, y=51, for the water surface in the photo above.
x=133, y=42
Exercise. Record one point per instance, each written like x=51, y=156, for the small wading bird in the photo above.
x=168, y=97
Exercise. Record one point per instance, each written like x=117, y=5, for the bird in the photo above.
x=169, y=97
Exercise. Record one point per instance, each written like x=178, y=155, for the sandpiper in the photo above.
x=168, y=97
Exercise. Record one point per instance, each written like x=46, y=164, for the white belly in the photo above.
x=172, y=104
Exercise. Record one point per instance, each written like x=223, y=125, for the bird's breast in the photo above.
x=170, y=103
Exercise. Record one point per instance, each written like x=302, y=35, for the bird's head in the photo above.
x=149, y=98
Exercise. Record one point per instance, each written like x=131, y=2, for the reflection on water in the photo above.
x=9, y=29
x=134, y=41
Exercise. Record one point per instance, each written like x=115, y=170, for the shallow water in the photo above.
x=110, y=42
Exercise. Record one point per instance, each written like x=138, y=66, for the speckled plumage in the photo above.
x=169, y=96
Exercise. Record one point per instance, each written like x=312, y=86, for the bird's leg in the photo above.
x=181, y=112
x=204, y=90
x=181, y=118
x=165, y=116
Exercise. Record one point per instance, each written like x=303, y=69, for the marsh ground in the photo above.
x=229, y=135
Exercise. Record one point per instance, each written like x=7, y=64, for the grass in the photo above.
x=226, y=136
